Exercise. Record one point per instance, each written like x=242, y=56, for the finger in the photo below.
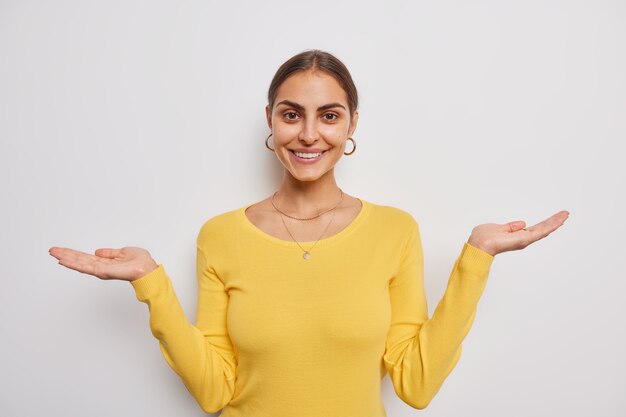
x=515, y=226
x=58, y=252
x=81, y=261
x=556, y=220
x=108, y=252
x=79, y=264
x=544, y=228
x=72, y=264
x=53, y=251
x=72, y=254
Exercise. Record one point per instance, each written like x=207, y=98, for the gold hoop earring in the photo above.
x=353, y=147
x=266, y=144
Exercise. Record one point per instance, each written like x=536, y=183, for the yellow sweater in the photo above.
x=280, y=336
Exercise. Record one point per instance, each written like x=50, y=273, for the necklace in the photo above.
x=306, y=218
x=307, y=253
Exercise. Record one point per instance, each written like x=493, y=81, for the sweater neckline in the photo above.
x=342, y=234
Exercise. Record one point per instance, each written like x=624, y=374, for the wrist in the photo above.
x=145, y=269
x=472, y=241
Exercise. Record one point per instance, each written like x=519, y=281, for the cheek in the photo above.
x=337, y=139
x=281, y=136
x=285, y=133
x=333, y=133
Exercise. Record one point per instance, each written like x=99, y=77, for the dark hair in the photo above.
x=315, y=59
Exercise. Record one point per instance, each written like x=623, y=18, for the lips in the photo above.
x=307, y=156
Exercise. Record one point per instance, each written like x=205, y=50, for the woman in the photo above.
x=308, y=297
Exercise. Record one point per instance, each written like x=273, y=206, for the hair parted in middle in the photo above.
x=314, y=59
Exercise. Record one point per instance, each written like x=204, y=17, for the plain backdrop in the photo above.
x=130, y=123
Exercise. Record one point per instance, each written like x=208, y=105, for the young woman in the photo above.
x=307, y=298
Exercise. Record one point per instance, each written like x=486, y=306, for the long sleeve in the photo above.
x=201, y=355
x=421, y=352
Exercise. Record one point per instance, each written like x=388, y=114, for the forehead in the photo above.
x=311, y=87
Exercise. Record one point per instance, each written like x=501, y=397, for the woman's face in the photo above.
x=310, y=123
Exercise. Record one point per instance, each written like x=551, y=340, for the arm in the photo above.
x=421, y=352
x=202, y=355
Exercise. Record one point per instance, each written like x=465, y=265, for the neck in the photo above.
x=307, y=198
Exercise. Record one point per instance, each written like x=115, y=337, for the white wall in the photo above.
x=132, y=122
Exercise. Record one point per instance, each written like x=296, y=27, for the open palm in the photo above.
x=128, y=263
x=497, y=238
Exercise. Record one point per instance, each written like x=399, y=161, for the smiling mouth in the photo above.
x=308, y=155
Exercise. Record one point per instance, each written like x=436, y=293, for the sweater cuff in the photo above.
x=475, y=260
x=150, y=284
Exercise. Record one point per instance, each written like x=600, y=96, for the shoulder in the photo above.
x=220, y=225
x=392, y=216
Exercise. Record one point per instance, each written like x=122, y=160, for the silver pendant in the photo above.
x=306, y=255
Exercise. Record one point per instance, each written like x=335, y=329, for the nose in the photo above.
x=309, y=134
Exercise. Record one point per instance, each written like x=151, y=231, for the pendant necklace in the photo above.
x=307, y=252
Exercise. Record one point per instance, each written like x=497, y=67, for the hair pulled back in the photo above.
x=314, y=59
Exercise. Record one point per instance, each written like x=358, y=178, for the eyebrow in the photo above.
x=301, y=107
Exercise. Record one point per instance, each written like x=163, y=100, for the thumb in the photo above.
x=107, y=252
x=515, y=226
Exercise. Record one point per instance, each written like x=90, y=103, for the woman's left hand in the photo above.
x=497, y=238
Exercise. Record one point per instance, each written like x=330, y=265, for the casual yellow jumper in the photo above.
x=280, y=336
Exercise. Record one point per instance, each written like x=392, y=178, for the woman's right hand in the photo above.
x=127, y=264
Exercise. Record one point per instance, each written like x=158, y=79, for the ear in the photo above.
x=353, y=123
x=268, y=116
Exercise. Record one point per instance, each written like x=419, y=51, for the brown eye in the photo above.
x=330, y=117
x=291, y=115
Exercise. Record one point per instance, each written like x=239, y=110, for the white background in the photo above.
x=130, y=123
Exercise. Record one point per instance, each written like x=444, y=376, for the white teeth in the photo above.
x=307, y=155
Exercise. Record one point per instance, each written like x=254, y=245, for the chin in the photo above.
x=308, y=177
